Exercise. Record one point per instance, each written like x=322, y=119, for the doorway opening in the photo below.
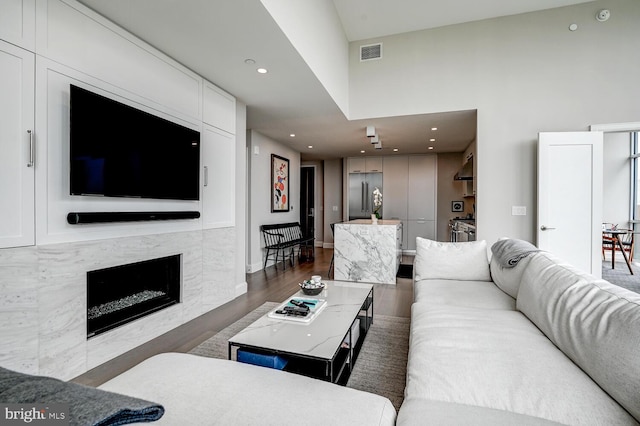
x=307, y=206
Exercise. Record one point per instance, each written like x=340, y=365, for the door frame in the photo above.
x=628, y=127
x=315, y=195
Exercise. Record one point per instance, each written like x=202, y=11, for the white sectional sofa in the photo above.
x=537, y=343
x=198, y=391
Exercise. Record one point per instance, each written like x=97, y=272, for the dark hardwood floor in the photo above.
x=270, y=285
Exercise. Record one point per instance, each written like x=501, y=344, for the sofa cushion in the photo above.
x=196, y=390
x=472, y=294
x=499, y=359
x=451, y=261
x=415, y=411
x=595, y=323
x=508, y=279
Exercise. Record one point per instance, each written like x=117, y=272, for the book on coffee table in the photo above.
x=315, y=307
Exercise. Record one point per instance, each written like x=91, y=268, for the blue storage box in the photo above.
x=263, y=360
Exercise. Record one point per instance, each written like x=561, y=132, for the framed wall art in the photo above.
x=457, y=206
x=279, y=184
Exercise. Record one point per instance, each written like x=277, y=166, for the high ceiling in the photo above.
x=215, y=37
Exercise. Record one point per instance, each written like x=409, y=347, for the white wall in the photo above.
x=241, y=198
x=524, y=74
x=314, y=29
x=260, y=192
x=616, y=183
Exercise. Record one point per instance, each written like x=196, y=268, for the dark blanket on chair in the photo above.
x=509, y=252
x=87, y=405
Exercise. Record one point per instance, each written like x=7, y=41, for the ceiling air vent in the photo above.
x=370, y=52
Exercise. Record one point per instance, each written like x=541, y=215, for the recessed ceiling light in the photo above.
x=249, y=61
x=434, y=128
x=395, y=149
x=262, y=70
x=362, y=152
x=432, y=140
x=430, y=147
x=310, y=146
x=293, y=135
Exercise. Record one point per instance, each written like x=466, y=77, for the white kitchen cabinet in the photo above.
x=420, y=228
x=364, y=164
x=18, y=22
x=409, y=194
x=395, y=181
x=218, y=178
x=422, y=187
x=17, y=136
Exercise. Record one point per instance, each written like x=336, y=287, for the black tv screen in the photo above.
x=120, y=151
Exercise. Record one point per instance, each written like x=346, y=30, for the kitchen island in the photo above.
x=367, y=252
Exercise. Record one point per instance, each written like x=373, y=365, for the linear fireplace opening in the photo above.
x=121, y=294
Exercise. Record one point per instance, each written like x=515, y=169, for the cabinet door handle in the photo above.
x=206, y=176
x=32, y=155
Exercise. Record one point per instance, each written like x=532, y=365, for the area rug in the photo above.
x=405, y=271
x=381, y=365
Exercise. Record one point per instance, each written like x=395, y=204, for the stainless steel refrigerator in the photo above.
x=361, y=186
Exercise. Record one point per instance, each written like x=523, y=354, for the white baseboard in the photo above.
x=254, y=267
x=327, y=245
x=241, y=288
x=318, y=244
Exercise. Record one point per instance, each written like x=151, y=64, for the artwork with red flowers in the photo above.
x=279, y=184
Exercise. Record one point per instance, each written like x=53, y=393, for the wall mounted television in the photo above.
x=120, y=151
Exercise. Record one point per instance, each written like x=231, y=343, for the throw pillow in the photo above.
x=466, y=261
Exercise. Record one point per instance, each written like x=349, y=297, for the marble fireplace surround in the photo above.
x=43, y=300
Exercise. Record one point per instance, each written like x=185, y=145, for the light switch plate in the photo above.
x=518, y=210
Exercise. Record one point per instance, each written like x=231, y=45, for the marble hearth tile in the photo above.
x=219, y=286
x=63, y=326
x=106, y=346
x=19, y=309
x=192, y=277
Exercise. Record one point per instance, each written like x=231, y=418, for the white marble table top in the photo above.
x=322, y=337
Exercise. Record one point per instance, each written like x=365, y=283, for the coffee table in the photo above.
x=321, y=348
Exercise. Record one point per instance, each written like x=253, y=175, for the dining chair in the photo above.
x=627, y=240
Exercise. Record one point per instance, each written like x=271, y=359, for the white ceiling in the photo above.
x=214, y=37
x=364, y=19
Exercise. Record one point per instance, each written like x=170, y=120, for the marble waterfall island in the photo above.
x=367, y=252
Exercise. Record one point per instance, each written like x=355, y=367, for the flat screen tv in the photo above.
x=120, y=151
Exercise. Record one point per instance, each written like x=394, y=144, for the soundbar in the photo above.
x=77, y=218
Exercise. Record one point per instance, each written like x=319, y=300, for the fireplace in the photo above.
x=118, y=295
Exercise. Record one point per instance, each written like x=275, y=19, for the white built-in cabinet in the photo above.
x=113, y=63
x=409, y=194
x=218, y=189
x=17, y=139
x=365, y=164
x=218, y=153
x=17, y=22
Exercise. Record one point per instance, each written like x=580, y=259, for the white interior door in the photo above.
x=570, y=197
